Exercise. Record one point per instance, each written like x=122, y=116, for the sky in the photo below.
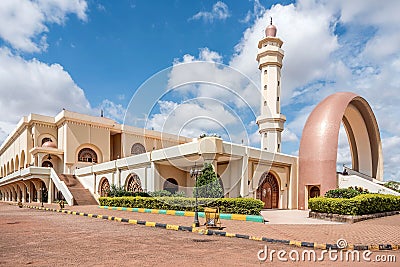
x=139, y=62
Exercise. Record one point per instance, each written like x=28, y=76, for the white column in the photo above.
x=50, y=192
x=156, y=178
x=244, y=179
x=23, y=189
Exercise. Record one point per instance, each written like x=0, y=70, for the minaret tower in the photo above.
x=270, y=122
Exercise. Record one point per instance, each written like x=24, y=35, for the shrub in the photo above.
x=393, y=185
x=166, y=193
x=360, y=189
x=226, y=205
x=342, y=193
x=160, y=193
x=179, y=194
x=208, y=184
x=119, y=191
x=358, y=205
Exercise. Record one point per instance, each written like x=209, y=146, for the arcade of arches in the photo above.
x=34, y=190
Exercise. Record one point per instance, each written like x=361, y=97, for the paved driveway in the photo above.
x=40, y=238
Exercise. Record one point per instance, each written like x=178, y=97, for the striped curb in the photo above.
x=223, y=216
x=323, y=246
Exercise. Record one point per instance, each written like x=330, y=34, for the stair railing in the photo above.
x=62, y=187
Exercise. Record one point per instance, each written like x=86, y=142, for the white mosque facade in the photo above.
x=78, y=157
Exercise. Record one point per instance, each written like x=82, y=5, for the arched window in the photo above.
x=47, y=164
x=87, y=155
x=12, y=166
x=133, y=184
x=171, y=185
x=104, y=188
x=137, y=149
x=16, y=163
x=46, y=139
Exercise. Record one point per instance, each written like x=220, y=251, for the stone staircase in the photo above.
x=81, y=195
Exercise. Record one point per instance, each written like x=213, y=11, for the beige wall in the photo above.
x=15, y=152
x=79, y=135
x=166, y=172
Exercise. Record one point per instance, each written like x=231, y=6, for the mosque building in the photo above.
x=78, y=157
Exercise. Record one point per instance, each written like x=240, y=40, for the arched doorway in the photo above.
x=44, y=192
x=268, y=191
x=47, y=164
x=171, y=185
x=133, y=183
x=314, y=192
x=104, y=188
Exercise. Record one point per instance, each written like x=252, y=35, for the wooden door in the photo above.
x=268, y=191
x=267, y=196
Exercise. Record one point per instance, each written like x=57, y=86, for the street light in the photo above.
x=41, y=193
x=195, y=172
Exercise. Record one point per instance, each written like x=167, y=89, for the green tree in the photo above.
x=208, y=184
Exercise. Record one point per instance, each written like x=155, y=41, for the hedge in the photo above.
x=246, y=206
x=342, y=193
x=359, y=205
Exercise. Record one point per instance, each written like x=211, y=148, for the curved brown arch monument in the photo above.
x=319, y=142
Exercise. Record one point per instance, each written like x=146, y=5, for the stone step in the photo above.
x=81, y=195
x=70, y=181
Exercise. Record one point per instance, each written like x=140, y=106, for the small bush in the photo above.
x=166, y=193
x=226, y=205
x=358, y=205
x=360, y=189
x=119, y=191
x=393, y=185
x=342, y=193
x=160, y=193
x=179, y=194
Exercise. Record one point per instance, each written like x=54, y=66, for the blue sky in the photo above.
x=91, y=55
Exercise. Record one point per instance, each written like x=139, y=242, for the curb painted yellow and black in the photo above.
x=380, y=247
x=223, y=216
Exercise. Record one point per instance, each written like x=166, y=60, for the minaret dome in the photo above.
x=270, y=31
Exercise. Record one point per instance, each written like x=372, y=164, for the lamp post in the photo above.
x=195, y=173
x=41, y=193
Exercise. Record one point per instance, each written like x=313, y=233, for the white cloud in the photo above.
x=192, y=118
x=258, y=10
x=112, y=110
x=289, y=136
x=39, y=88
x=220, y=11
x=23, y=22
x=391, y=148
x=31, y=86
